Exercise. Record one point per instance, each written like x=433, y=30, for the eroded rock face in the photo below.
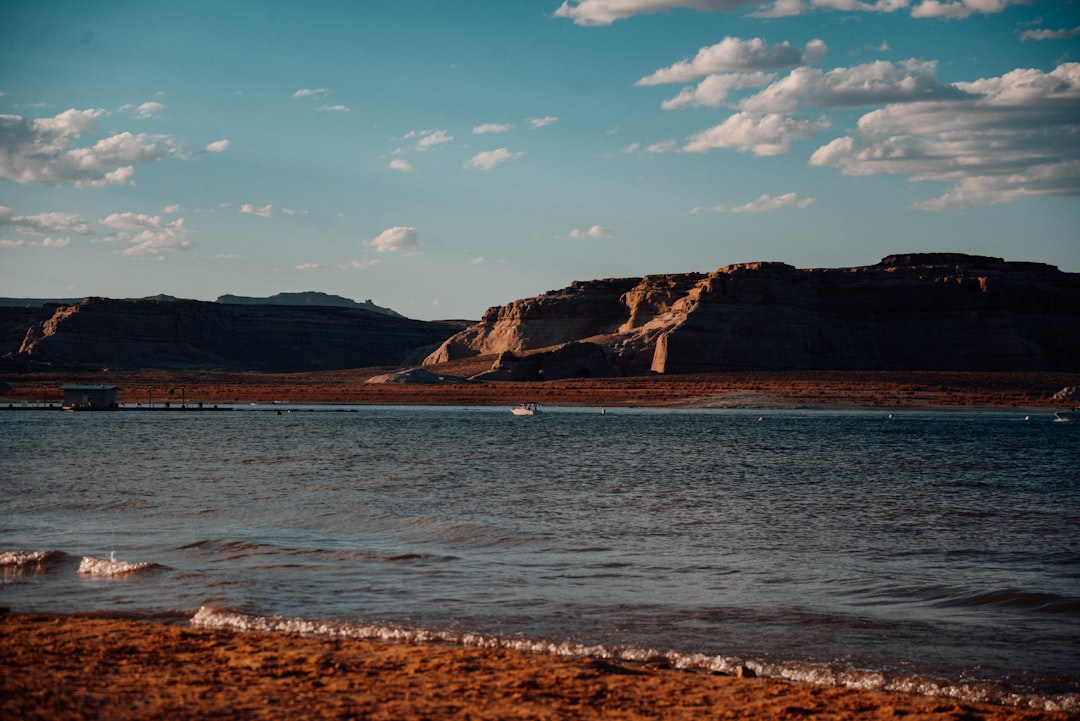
x=936, y=311
x=195, y=334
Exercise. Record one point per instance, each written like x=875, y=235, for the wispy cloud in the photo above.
x=485, y=128
x=401, y=165
x=429, y=139
x=218, y=146
x=605, y=12
x=490, y=158
x=1062, y=34
x=767, y=203
x=264, y=212
x=596, y=232
x=537, y=123
x=332, y=109
x=311, y=93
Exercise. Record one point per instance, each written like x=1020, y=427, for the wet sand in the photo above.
x=78, y=667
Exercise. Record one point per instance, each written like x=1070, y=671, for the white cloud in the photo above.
x=39, y=151
x=402, y=165
x=264, y=212
x=1062, y=34
x=429, y=139
x=490, y=158
x=5, y=243
x=961, y=8
x=44, y=224
x=309, y=266
x=875, y=83
x=536, y=123
x=218, y=146
x=767, y=203
x=480, y=260
x=171, y=209
x=712, y=92
x=147, y=234
x=148, y=110
x=361, y=264
x=332, y=109
x=735, y=55
x=605, y=12
x=396, y=239
x=1016, y=139
x=596, y=232
x=664, y=146
x=311, y=92
x=491, y=128
x=762, y=134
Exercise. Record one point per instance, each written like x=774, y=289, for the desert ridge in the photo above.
x=81, y=667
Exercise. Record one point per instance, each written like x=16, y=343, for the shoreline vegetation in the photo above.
x=737, y=389
x=84, y=666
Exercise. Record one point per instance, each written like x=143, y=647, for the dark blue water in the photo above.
x=937, y=552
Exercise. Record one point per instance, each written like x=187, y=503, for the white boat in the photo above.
x=526, y=409
x=1069, y=415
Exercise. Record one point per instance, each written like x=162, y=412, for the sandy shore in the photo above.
x=70, y=667
x=758, y=389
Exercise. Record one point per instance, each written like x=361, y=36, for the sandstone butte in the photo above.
x=923, y=312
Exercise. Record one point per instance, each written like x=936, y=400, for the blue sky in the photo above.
x=442, y=157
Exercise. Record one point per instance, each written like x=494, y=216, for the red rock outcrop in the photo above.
x=934, y=311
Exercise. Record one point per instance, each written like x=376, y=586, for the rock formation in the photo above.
x=196, y=334
x=933, y=311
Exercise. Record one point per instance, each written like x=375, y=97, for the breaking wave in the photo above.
x=214, y=618
x=108, y=567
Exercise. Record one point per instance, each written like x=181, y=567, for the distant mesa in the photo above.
x=919, y=311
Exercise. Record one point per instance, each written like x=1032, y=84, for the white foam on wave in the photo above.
x=94, y=566
x=18, y=559
x=209, y=617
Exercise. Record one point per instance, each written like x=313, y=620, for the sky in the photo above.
x=440, y=158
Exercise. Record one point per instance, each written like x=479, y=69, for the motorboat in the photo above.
x=1068, y=415
x=526, y=409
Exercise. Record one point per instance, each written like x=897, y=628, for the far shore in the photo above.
x=1022, y=391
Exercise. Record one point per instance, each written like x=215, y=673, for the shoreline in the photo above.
x=891, y=390
x=85, y=666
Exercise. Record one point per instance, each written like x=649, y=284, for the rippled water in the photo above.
x=936, y=551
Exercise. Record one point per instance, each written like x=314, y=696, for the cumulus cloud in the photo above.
x=44, y=223
x=40, y=151
x=761, y=134
x=735, y=55
x=1015, y=139
x=147, y=234
x=876, y=83
x=218, y=146
x=961, y=8
x=485, y=128
x=605, y=12
x=490, y=158
x=767, y=203
x=597, y=231
x=536, y=123
x=429, y=139
x=396, y=239
x=403, y=165
x=264, y=212
x=713, y=90
x=148, y=110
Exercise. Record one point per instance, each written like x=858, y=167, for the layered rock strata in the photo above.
x=933, y=311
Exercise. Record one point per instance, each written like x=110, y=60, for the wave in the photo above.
x=110, y=567
x=236, y=550
x=13, y=563
x=820, y=675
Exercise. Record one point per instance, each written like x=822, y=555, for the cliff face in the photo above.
x=195, y=334
x=928, y=312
